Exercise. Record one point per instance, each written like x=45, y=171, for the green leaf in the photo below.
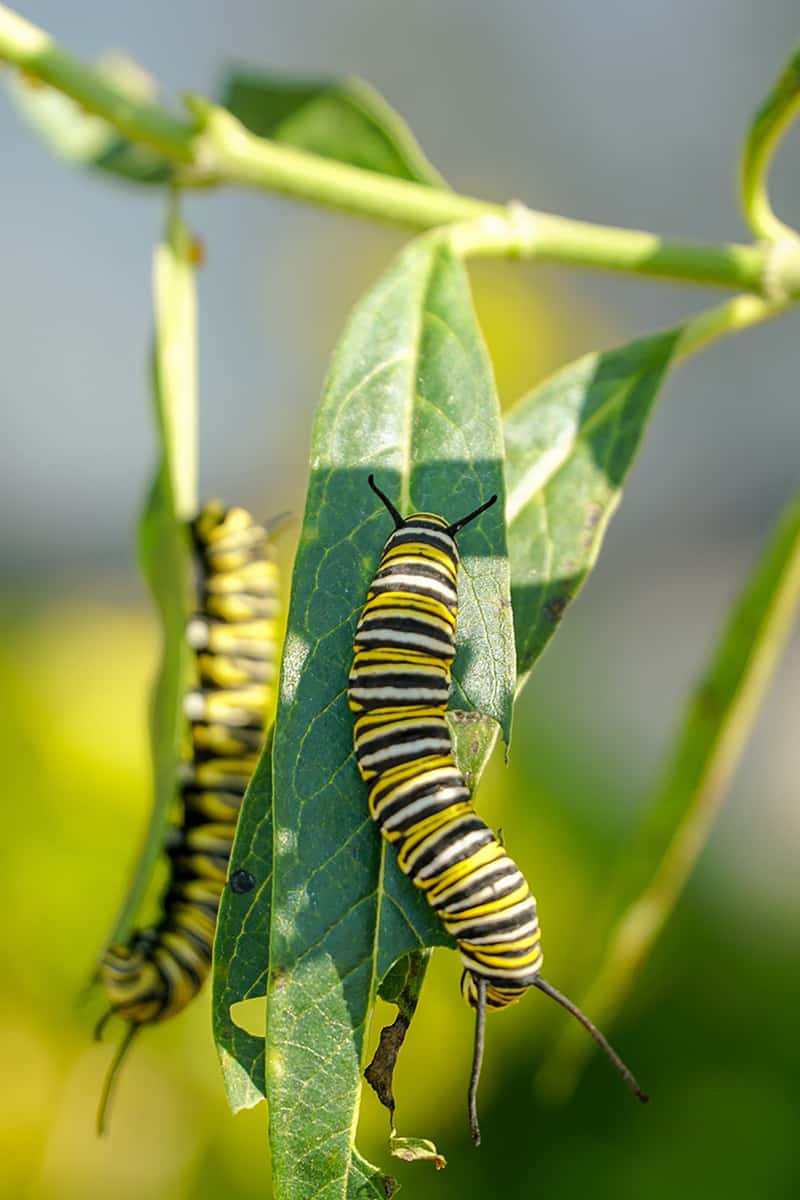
x=242, y=938
x=87, y=140
x=569, y=446
x=164, y=547
x=412, y=1149
x=725, y=702
x=343, y=119
x=410, y=396
x=712, y=736
x=768, y=127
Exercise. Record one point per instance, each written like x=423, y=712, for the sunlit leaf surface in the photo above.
x=410, y=396
x=569, y=446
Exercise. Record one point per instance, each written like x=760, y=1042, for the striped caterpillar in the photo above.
x=398, y=688
x=159, y=970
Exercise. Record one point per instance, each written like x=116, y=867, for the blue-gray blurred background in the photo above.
x=629, y=113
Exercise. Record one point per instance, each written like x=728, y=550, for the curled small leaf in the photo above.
x=411, y=1149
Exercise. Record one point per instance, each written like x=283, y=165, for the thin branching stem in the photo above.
x=215, y=148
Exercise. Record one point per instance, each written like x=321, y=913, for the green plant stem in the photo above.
x=766, y=133
x=734, y=315
x=506, y=235
x=39, y=57
x=529, y=234
x=218, y=149
x=175, y=305
x=231, y=153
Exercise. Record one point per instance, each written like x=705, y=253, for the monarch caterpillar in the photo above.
x=398, y=687
x=159, y=970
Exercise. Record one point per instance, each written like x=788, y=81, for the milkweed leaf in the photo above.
x=242, y=940
x=410, y=397
x=569, y=446
x=343, y=119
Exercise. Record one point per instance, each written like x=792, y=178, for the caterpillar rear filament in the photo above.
x=159, y=970
x=398, y=687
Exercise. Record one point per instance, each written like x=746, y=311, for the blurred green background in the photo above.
x=631, y=113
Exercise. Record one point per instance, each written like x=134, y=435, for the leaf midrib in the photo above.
x=406, y=497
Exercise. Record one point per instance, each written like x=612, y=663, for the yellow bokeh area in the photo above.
x=530, y=324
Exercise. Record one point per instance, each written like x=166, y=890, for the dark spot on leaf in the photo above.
x=462, y=716
x=197, y=251
x=593, y=515
x=389, y=1186
x=242, y=881
x=554, y=609
x=278, y=978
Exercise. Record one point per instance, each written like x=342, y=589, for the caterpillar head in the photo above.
x=429, y=520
